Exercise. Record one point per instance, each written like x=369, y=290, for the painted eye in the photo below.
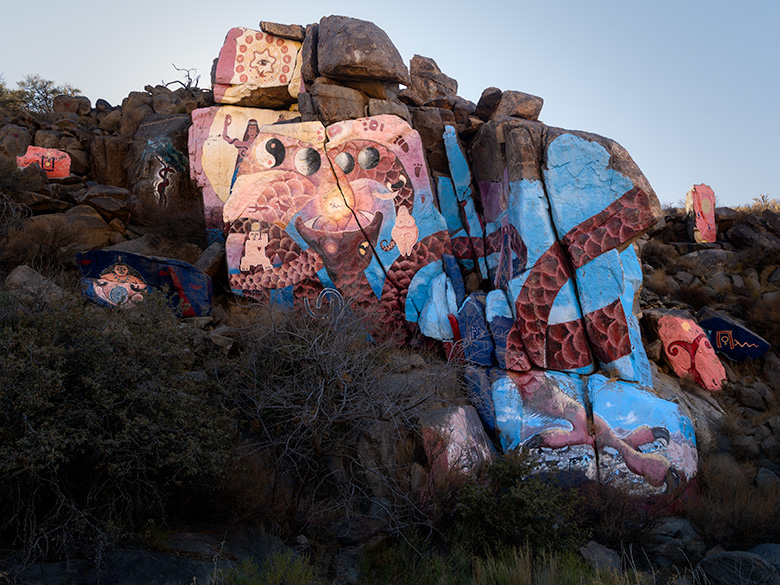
x=307, y=161
x=275, y=148
x=368, y=158
x=363, y=249
x=346, y=162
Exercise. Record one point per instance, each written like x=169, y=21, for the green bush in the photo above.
x=102, y=425
x=279, y=569
x=509, y=506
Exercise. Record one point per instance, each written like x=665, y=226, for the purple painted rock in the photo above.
x=219, y=138
x=700, y=205
x=55, y=163
x=257, y=69
x=349, y=48
x=455, y=443
x=728, y=337
x=688, y=349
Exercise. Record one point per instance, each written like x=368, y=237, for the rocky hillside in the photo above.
x=458, y=228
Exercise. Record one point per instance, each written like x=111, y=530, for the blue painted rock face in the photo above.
x=730, y=338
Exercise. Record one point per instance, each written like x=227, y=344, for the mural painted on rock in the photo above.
x=545, y=224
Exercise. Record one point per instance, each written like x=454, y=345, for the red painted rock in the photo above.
x=700, y=205
x=257, y=69
x=55, y=163
x=689, y=351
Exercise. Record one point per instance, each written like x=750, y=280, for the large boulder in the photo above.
x=348, y=48
x=14, y=140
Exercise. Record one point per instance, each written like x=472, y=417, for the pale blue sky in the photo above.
x=691, y=89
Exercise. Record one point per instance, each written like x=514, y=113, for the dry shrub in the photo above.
x=697, y=296
x=760, y=204
x=41, y=246
x=318, y=400
x=764, y=319
x=730, y=510
x=173, y=226
x=658, y=254
x=658, y=282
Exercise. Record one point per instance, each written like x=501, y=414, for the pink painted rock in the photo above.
x=55, y=163
x=700, y=205
x=689, y=351
x=219, y=138
x=257, y=69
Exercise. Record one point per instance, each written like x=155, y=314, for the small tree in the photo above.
x=37, y=94
x=10, y=99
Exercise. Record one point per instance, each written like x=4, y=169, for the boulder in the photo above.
x=14, y=140
x=488, y=102
x=108, y=155
x=55, y=163
x=309, y=66
x=427, y=82
x=349, y=48
x=700, y=206
x=600, y=557
x=731, y=338
x=687, y=348
x=518, y=105
x=72, y=104
x=294, y=32
x=729, y=568
x=257, y=69
x=380, y=107
x=770, y=552
x=744, y=236
x=430, y=123
x=335, y=102
x=34, y=286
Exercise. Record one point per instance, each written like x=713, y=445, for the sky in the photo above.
x=690, y=88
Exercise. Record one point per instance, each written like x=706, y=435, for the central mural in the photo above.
x=520, y=262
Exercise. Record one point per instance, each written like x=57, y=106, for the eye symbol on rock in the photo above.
x=345, y=161
x=368, y=158
x=363, y=249
x=307, y=161
x=275, y=148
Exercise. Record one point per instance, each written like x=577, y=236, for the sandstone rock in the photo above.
x=34, y=286
x=335, y=102
x=79, y=104
x=48, y=138
x=725, y=217
x=14, y=140
x=746, y=237
x=111, y=122
x=600, y=557
x=729, y=568
x=379, y=107
x=108, y=159
x=767, y=481
x=707, y=263
x=309, y=66
x=132, y=117
x=356, y=49
x=700, y=206
x=212, y=261
x=142, y=245
x=111, y=208
x=488, y=102
x=294, y=32
x=79, y=162
x=102, y=191
x=427, y=82
x=675, y=539
x=769, y=552
x=518, y=105
x=39, y=203
x=772, y=371
x=430, y=123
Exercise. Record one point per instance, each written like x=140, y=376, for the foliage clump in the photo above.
x=33, y=93
x=510, y=506
x=102, y=424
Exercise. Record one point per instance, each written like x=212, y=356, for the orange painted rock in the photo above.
x=689, y=351
x=700, y=205
x=55, y=163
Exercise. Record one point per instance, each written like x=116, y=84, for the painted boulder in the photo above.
x=730, y=338
x=122, y=279
x=55, y=163
x=700, y=205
